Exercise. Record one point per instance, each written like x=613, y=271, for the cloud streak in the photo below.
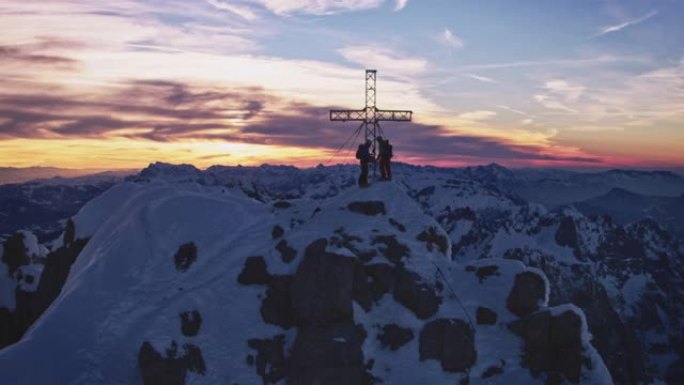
x=619, y=27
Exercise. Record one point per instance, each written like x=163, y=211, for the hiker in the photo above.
x=384, y=156
x=363, y=155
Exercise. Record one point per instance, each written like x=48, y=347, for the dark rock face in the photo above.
x=415, y=295
x=394, y=251
x=552, y=343
x=450, y=341
x=432, y=239
x=529, y=289
x=69, y=232
x=282, y=205
x=172, y=369
x=14, y=254
x=277, y=232
x=675, y=373
x=485, y=316
x=397, y=225
x=190, y=323
x=327, y=349
x=271, y=362
x=394, y=336
x=485, y=272
x=566, y=235
x=276, y=307
x=29, y=306
x=185, y=256
x=287, y=253
x=370, y=208
x=322, y=287
x=254, y=272
x=328, y=354
x=382, y=278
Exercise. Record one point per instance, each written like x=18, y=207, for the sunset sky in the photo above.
x=120, y=84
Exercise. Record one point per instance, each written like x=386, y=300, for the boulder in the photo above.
x=254, y=272
x=287, y=253
x=485, y=316
x=552, y=343
x=416, y=295
x=172, y=369
x=329, y=354
x=382, y=278
x=276, y=307
x=277, y=232
x=271, y=362
x=432, y=239
x=529, y=289
x=190, y=323
x=370, y=208
x=185, y=256
x=449, y=341
x=322, y=287
x=394, y=336
x=394, y=251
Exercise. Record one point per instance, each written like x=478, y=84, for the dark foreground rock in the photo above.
x=171, y=369
x=449, y=341
x=529, y=290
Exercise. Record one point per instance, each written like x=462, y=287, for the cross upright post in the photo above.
x=371, y=116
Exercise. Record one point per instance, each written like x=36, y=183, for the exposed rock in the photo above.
x=493, y=370
x=382, y=278
x=277, y=232
x=485, y=272
x=432, y=239
x=185, y=256
x=69, y=232
x=397, y=225
x=322, y=286
x=675, y=373
x=276, y=307
x=370, y=208
x=254, y=272
x=529, y=289
x=190, y=323
x=485, y=316
x=394, y=336
x=362, y=291
x=566, y=235
x=287, y=253
x=552, y=343
x=14, y=252
x=415, y=295
x=282, y=205
x=450, y=341
x=271, y=363
x=170, y=370
x=329, y=354
x=393, y=250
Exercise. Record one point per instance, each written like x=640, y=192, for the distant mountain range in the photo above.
x=21, y=175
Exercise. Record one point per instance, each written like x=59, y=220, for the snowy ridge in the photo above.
x=459, y=239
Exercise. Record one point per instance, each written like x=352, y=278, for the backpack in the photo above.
x=389, y=150
x=358, y=152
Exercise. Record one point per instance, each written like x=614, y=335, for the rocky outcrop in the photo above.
x=14, y=252
x=276, y=306
x=271, y=362
x=553, y=343
x=394, y=336
x=416, y=295
x=287, y=253
x=369, y=208
x=485, y=316
x=190, y=323
x=185, y=256
x=170, y=369
x=433, y=239
x=254, y=272
x=449, y=341
x=529, y=290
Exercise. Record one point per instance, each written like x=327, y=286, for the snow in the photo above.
x=33, y=248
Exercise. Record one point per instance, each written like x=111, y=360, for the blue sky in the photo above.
x=523, y=83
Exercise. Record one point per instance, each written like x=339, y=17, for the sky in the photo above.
x=563, y=83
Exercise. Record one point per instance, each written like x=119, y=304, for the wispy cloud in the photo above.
x=629, y=23
x=483, y=79
x=380, y=57
x=401, y=4
x=450, y=40
x=242, y=11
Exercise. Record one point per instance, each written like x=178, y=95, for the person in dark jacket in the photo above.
x=364, y=156
x=384, y=156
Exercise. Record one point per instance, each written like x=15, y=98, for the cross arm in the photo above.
x=347, y=115
x=393, y=115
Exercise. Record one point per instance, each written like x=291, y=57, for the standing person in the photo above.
x=363, y=155
x=384, y=156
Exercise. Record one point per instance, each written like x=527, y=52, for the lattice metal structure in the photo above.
x=371, y=116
